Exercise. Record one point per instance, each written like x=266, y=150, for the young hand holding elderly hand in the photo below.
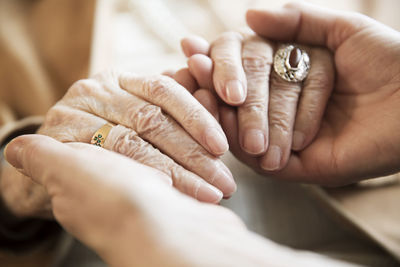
x=129, y=215
x=269, y=119
x=324, y=136
x=301, y=131
x=347, y=133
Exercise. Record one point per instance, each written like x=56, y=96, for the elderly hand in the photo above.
x=357, y=137
x=126, y=213
x=158, y=123
x=275, y=115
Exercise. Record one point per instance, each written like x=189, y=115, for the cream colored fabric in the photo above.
x=46, y=45
x=147, y=34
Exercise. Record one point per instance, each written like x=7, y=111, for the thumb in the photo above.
x=47, y=161
x=37, y=156
x=306, y=23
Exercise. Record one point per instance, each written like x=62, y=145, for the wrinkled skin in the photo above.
x=357, y=138
x=158, y=123
x=276, y=116
x=130, y=216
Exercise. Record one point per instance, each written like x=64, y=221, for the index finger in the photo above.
x=182, y=106
x=229, y=77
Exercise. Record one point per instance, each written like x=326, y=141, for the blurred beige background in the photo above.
x=147, y=32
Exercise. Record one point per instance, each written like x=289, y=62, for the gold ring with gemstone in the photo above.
x=101, y=134
x=291, y=63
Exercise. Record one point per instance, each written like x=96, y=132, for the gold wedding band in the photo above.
x=101, y=134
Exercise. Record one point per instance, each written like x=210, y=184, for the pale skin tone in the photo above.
x=130, y=215
x=276, y=116
x=357, y=136
x=357, y=139
x=158, y=123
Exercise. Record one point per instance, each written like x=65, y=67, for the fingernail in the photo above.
x=298, y=140
x=254, y=141
x=223, y=180
x=12, y=154
x=216, y=141
x=234, y=92
x=272, y=158
x=208, y=193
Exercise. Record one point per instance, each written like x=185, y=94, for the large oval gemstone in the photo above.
x=295, y=57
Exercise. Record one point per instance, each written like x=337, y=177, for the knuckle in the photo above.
x=257, y=54
x=131, y=145
x=225, y=62
x=157, y=87
x=221, y=50
x=279, y=122
x=54, y=117
x=57, y=124
x=83, y=87
x=81, y=94
x=191, y=118
x=149, y=119
x=254, y=107
x=192, y=156
x=256, y=63
x=286, y=89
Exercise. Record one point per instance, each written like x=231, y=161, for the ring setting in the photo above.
x=99, y=137
x=291, y=63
